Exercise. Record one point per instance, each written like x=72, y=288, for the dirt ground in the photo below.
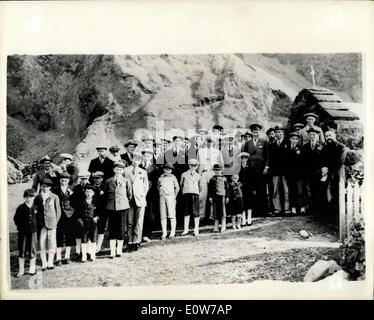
x=270, y=249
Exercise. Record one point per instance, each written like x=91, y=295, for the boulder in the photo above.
x=304, y=234
x=321, y=269
x=340, y=275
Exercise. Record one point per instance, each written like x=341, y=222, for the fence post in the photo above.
x=356, y=198
x=342, y=217
x=349, y=205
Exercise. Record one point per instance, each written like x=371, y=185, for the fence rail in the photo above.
x=350, y=205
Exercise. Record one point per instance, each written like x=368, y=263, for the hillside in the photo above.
x=71, y=103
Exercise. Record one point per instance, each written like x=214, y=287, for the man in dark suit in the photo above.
x=313, y=159
x=130, y=148
x=334, y=157
x=176, y=155
x=101, y=163
x=277, y=166
x=258, y=164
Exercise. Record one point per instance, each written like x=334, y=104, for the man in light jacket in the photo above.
x=139, y=181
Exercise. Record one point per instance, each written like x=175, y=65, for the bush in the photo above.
x=353, y=250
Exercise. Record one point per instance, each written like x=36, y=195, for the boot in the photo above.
x=43, y=257
x=164, y=228
x=233, y=219
x=196, y=226
x=223, y=224
x=112, y=244
x=100, y=240
x=173, y=224
x=51, y=256
x=93, y=251
x=21, y=263
x=186, y=225
x=32, y=268
x=249, y=217
x=84, y=252
x=119, y=248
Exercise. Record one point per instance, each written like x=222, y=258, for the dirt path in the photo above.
x=270, y=249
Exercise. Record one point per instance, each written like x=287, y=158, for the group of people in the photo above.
x=209, y=177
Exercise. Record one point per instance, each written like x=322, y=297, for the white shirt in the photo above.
x=207, y=157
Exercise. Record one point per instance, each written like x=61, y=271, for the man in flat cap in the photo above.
x=217, y=132
x=130, y=148
x=313, y=157
x=152, y=208
x=114, y=153
x=277, y=169
x=138, y=178
x=176, y=155
x=334, y=157
x=270, y=134
x=46, y=171
x=296, y=129
x=311, y=119
x=101, y=163
x=258, y=163
x=230, y=157
x=295, y=175
x=67, y=165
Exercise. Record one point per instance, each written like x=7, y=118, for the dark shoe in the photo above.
x=77, y=257
x=50, y=268
x=111, y=257
x=33, y=273
x=58, y=263
x=90, y=259
x=249, y=224
x=83, y=261
x=66, y=261
x=44, y=269
x=100, y=253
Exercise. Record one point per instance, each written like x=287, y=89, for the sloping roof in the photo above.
x=334, y=105
x=342, y=114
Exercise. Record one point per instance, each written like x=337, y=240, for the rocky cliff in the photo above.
x=71, y=103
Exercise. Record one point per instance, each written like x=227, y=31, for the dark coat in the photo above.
x=126, y=159
x=218, y=185
x=294, y=161
x=313, y=160
x=66, y=207
x=278, y=157
x=40, y=175
x=73, y=170
x=77, y=196
x=86, y=213
x=106, y=167
x=25, y=218
x=258, y=155
x=334, y=157
x=178, y=160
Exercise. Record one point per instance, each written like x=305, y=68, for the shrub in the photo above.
x=353, y=250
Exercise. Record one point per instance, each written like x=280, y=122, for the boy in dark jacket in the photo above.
x=25, y=220
x=87, y=217
x=218, y=195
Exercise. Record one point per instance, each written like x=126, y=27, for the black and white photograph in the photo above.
x=141, y=170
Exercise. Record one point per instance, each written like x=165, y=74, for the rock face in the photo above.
x=64, y=103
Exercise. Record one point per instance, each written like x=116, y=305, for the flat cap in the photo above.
x=101, y=148
x=217, y=166
x=310, y=114
x=46, y=181
x=255, y=126
x=119, y=164
x=29, y=193
x=168, y=166
x=130, y=143
x=64, y=175
x=98, y=174
x=66, y=156
x=45, y=159
x=114, y=148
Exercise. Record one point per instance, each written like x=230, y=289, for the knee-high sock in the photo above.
x=21, y=264
x=233, y=219
x=119, y=247
x=249, y=216
x=67, y=252
x=93, y=250
x=216, y=224
x=100, y=240
x=58, y=253
x=51, y=256
x=164, y=227
x=84, y=251
x=197, y=222
x=78, y=246
x=244, y=220
x=112, y=244
x=43, y=257
x=173, y=224
x=223, y=223
x=186, y=223
x=32, y=265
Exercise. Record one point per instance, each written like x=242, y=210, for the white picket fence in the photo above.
x=350, y=205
